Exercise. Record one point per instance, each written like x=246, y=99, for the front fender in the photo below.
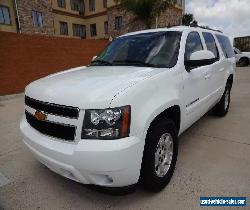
x=148, y=99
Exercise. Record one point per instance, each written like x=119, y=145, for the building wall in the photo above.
x=70, y=20
x=98, y=7
x=66, y=9
x=128, y=21
x=98, y=17
x=99, y=21
x=52, y=15
x=111, y=3
x=25, y=58
x=11, y=6
x=171, y=17
x=25, y=8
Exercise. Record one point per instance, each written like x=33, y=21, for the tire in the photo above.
x=154, y=179
x=243, y=62
x=222, y=107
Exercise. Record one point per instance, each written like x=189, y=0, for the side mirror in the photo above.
x=200, y=58
x=94, y=58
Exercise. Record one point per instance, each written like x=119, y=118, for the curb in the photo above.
x=13, y=96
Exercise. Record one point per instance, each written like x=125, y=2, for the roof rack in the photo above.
x=207, y=28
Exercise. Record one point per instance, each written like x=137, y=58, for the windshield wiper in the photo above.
x=100, y=61
x=133, y=62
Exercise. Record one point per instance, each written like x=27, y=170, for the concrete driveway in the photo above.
x=214, y=160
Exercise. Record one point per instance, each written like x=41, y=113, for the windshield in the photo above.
x=156, y=49
x=237, y=51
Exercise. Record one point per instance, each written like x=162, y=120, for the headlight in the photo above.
x=106, y=124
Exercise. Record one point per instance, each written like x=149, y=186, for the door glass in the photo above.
x=193, y=44
x=210, y=43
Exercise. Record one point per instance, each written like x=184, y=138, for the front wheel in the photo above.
x=222, y=107
x=160, y=155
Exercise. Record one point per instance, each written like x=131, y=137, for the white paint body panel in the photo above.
x=242, y=55
x=149, y=91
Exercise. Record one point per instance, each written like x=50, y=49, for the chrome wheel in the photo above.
x=164, y=154
x=227, y=96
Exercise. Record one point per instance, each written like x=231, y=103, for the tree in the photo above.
x=187, y=19
x=146, y=10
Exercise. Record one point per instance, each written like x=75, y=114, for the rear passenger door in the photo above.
x=227, y=60
x=215, y=71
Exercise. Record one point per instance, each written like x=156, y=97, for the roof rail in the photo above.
x=207, y=28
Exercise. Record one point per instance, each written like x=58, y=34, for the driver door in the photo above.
x=194, y=83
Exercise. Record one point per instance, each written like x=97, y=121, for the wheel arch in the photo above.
x=245, y=57
x=172, y=112
x=230, y=79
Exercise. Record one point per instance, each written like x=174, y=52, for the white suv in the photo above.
x=242, y=58
x=117, y=120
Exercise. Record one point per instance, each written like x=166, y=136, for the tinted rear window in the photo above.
x=226, y=46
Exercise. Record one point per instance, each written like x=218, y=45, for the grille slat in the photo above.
x=61, y=131
x=60, y=110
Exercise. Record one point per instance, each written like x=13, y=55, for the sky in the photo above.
x=230, y=16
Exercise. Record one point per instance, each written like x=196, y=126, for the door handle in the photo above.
x=221, y=70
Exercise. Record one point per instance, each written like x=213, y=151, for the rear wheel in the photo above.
x=160, y=155
x=243, y=62
x=222, y=107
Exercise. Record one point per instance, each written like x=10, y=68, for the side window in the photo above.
x=193, y=44
x=4, y=15
x=37, y=18
x=226, y=46
x=118, y=23
x=210, y=43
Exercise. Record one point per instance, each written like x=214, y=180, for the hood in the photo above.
x=87, y=87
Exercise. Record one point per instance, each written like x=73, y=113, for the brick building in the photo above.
x=92, y=19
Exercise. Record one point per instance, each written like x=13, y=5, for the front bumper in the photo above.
x=113, y=163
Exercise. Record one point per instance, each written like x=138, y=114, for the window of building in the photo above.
x=93, y=31
x=37, y=18
x=226, y=46
x=106, y=27
x=79, y=30
x=91, y=5
x=210, y=43
x=61, y=3
x=63, y=28
x=4, y=15
x=118, y=23
x=77, y=5
x=193, y=44
x=105, y=5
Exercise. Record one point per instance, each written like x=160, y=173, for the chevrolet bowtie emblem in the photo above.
x=40, y=116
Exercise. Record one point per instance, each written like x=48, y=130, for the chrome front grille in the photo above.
x=60, y=130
